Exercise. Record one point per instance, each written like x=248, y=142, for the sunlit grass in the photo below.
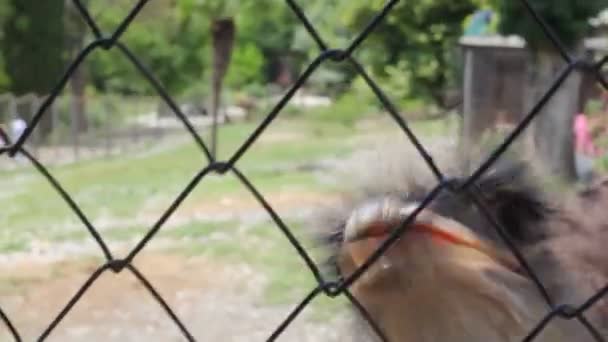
x=121, y=187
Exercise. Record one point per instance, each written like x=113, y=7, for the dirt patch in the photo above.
x=218, y=302
x=280, y=201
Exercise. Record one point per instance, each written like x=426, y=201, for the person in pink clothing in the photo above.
x=582, y=134
x=585, y=150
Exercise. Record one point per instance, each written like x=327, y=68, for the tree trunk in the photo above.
x=78, y=84
x=222, y=32
x=45, y=126
x=551, y=135
x=76, y=31
x=34, y=52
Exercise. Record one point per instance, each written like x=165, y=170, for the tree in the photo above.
x=419, y=37
x=75, y=34
x=222, y=29
x=222, y=37
x=269, y=26
x=5, y=13
x=569, y=19
x=180, y=51
x=175, y=51
x=224, y=17
x=33, y=48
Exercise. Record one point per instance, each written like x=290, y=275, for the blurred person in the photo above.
x=17, y=127
x=585, y=150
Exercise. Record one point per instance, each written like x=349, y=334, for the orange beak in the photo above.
x=373, y=227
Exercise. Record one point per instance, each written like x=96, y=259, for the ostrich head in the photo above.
x=451, y=275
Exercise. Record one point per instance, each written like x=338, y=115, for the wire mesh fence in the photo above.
x=325, y=286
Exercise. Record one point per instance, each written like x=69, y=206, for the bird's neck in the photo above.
x=451, y=313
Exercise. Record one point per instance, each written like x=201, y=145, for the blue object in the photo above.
x=479, y=23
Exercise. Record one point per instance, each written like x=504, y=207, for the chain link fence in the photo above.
x=324, y=287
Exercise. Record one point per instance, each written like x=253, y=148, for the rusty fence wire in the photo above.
x=324, y=287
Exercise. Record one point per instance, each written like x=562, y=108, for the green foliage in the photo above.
x=568, y=18
x=398, y=80
x=211, y=8
x=176, y=50
x=179, y=49
x=347, y=110
x=413, y=52
x=594, y=107
x=247, y=64
x=5, y=13
x=271, y=26
x=33, y=45
x=418, y=38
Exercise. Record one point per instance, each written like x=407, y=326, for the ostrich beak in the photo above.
x=372, y=223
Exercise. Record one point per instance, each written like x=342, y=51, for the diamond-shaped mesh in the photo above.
x=326, y=287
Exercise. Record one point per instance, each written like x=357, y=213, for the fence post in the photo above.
x=74, y=129
x=37, y=137
x=108, y=123
x=157, y=124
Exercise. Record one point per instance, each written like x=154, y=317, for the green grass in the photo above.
x=121, y=187
x=10, y=244
x=194, y=230
x=266, y=249
x=264, y=246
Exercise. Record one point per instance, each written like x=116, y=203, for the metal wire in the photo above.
x=329, y=288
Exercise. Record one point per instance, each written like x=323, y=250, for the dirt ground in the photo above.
x=217, y=302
